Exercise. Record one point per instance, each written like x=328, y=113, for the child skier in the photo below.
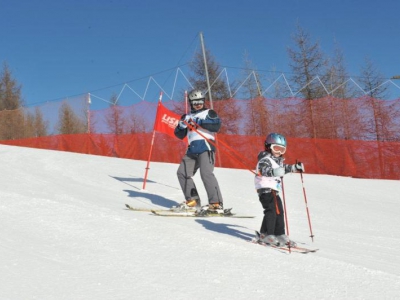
x=270, y=170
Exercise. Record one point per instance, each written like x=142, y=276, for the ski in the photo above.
x=286, y=249
x=184, y=213
x=194, y=215
x=152, y=209
x=296, y=249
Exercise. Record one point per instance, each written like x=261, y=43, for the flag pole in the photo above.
x=186, y=102
x=152, y=143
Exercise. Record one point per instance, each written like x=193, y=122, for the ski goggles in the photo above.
x=197, y=102
x=278, y=148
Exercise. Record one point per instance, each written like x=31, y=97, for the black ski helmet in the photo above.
x=275, y=138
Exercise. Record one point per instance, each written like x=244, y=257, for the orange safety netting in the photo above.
x=362, y=159
x=348, y=137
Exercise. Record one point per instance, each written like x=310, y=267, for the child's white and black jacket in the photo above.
x=265, y=181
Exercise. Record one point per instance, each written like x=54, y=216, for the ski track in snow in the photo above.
x=66, y=234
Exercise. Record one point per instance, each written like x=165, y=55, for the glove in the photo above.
x=298, y=167
x=187, y=118
x=278, y=172
x=182, y=124
x=184, y=118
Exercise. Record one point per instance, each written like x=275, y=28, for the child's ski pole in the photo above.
x=305, y=200
x=285, y=212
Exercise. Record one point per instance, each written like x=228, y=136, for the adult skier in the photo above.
x=199, y=125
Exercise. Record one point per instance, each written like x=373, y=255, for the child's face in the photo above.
x=275, y=154
x=277, y=150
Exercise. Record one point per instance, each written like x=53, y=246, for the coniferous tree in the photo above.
x=219, y=88
x=12, y=116
x=10, y=91
x=227, y=109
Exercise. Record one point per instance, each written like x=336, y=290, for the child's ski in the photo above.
x=256, y=240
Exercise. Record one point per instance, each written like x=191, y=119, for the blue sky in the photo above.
x=59, y=49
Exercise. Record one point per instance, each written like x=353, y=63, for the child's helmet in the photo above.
x=275, y=138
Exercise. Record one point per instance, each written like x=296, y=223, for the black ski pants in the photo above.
x=273, y=221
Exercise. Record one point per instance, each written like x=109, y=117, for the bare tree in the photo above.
x=256, y=116
x=69, y=122
x=307, y=62
x=308, y=65
x=115, y=119
x=372, y=81
x=337, y=78
x=137, y=123
x=344, y=114
x=40, y=125
x=277, y=86
x=35, y=125
x=252, y=86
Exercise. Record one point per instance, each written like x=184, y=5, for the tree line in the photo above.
x=311, y=70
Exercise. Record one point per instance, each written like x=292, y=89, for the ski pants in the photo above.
x=187, y=169
x=273, y=221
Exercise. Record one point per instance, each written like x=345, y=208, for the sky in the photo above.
x=62, y=49
x=65, y=234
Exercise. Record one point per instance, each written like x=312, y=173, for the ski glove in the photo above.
x=184, y=118
x=298, y=167
x=278, y=172
x=182, y=124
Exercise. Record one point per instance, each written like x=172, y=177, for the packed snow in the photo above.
x=66, y=234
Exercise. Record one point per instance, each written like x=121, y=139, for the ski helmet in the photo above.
x=196, y=95
x=275, y=138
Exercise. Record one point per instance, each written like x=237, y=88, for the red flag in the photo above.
x=166, y=120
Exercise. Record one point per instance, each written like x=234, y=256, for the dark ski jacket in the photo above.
x=209, y=123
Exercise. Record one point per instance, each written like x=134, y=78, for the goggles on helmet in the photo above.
x=197, y=102
x=278, y=148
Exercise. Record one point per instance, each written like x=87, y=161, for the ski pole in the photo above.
x=214, y=144
x=285, y=212
x=305, y=200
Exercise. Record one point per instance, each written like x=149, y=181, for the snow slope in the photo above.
x=65, y=234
